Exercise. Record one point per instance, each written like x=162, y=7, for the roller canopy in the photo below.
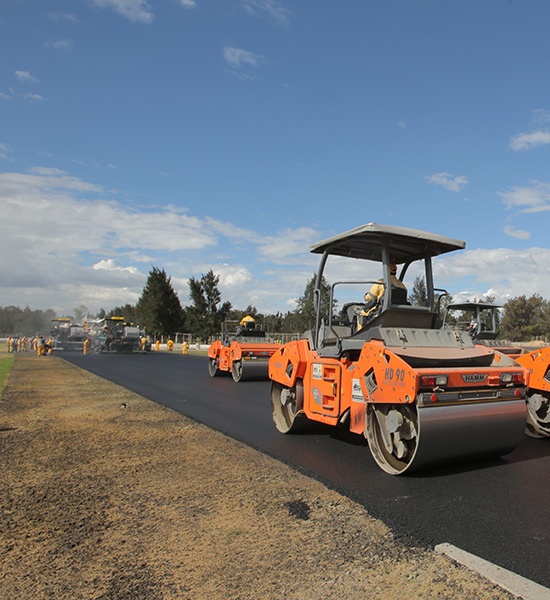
x=472, y=306
x=404, y=244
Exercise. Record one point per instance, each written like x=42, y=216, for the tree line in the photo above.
x=160, y=312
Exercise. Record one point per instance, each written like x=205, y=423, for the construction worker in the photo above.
x=475, y=325
x=184, y=348
x=374, y=296
x=86, y=347
x=248, y=322
x=40, y=347
x=157, y=346
x=170, y=345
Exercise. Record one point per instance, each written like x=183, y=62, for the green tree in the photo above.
x=158, y=308
x=205, y=317
x=306, y=312
x=545, y=320
x=236, y=315
x=524, y=317
x=17, y=321
x=275, y=322
x=418, y=296
x=128, y=312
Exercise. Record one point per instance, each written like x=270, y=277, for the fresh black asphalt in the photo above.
x=498, y=510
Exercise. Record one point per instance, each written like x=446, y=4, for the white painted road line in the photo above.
x=516, y=584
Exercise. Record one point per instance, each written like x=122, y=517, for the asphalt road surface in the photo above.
x=498, y=509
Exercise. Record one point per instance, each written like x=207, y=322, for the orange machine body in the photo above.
x=240, y=351
x=334, y=390
x=249, y=343
x=538, y=364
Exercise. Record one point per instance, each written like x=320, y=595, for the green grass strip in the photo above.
x=6, y=362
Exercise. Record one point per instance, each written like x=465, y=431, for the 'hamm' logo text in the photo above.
x=473, y=377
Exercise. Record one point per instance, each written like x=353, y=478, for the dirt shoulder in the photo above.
x=109, y=496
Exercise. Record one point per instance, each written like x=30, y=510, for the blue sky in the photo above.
x=232, y=134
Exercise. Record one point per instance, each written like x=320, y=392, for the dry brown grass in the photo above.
x=109, y=496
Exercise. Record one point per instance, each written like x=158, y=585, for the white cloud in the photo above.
x=448, y=181
x=75, y=245
x=541, y=115
x=519, y=234
x=137, y=11
x=33, y=97
x=238, y=58
x=70, y=238
x=4, y=150
x=528, y=199
x=499, y=272
x=110, y=265
x=272, y=8
x=287, y=246
x=188, y=3
x=25, y=77
x=62, y=17
x=232, y=276
x=61, y=45
x=526, y=141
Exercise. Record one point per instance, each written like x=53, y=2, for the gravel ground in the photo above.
x=109, y=496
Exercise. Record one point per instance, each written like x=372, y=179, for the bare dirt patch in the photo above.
x=109, y=496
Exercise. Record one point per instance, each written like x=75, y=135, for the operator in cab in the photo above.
x=374, y=296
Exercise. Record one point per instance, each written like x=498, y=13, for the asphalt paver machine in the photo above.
x=245, y=346
x=115, y=334
x=420, y=394
x=67, y=335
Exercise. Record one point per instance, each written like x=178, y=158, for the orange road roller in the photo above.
x=537, y=362
x=420, y=394
x=482, y=328
x=244, y=342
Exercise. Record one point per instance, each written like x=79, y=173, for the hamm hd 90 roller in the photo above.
x=245, y=342
x=418, y=393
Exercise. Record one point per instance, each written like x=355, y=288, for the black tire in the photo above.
x=237, y=370
x=538, y=415
x=213, y=367
x=287, y=407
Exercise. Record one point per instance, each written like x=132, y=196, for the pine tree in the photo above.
x=306, y=312
x=204, y=317
x=158, y=308
x=419, y=294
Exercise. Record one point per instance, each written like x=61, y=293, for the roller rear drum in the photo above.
x=405, y=437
